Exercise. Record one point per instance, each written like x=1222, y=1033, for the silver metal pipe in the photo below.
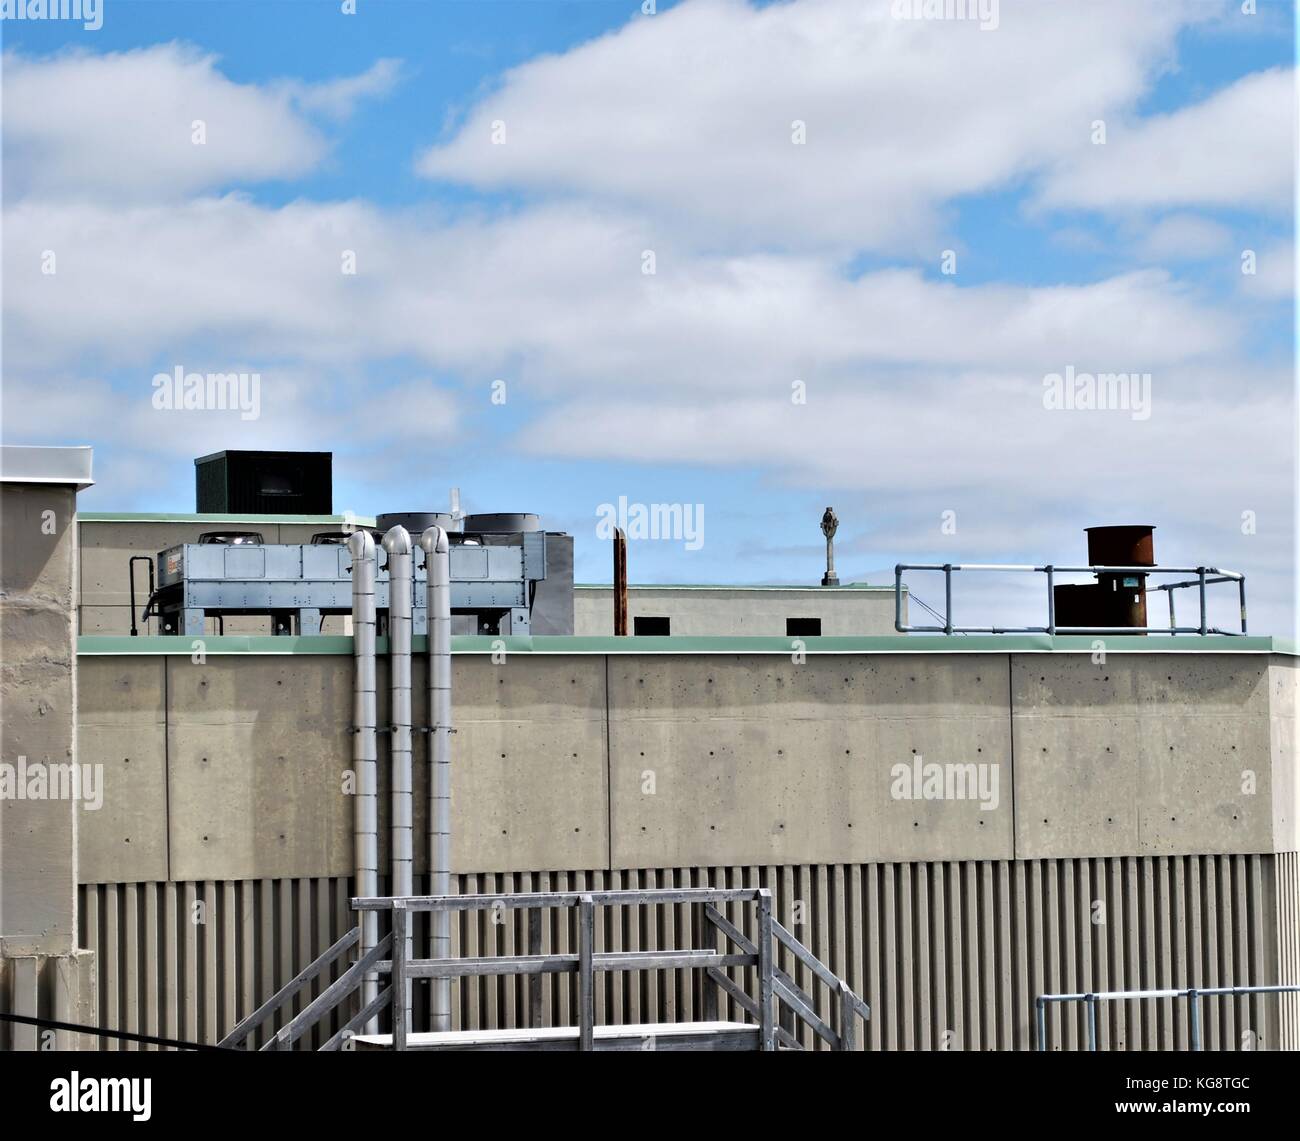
x=1228, y=575
x=1051, y=600
x=947, y=594
x=437, y=574
x=1202, y=594
x=365, y=763
x=397, y=542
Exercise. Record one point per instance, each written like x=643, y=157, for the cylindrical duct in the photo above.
x=365, y=806
x=502, y=522
x=437, y=572
x=398, y=545
x=1123, y=596
x=417, y=522
x=1124, y=546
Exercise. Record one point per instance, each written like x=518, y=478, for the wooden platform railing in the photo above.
x=337, y=992
x=774, y=991
x=773, y=985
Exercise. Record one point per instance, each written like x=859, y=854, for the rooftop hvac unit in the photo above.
x=264, y=483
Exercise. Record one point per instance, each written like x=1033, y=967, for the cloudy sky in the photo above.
x=872, y=237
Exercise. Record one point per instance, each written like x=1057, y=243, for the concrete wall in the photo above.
x=233, y=767
x=38, y=837
x=61, y=988
x=845, y=611
x=1284, y=711
x=688, y=769
x=42, y=974
x=1145, y=755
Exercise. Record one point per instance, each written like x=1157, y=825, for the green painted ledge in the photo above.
x=98, y=644
x=855, y=586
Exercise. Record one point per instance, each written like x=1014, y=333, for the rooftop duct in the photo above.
x=417, y=522
x=1116, y=599
x=503, y=523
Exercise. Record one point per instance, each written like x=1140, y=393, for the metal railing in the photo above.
x=1205, y=577
x=774, y=986
x=1193, y=994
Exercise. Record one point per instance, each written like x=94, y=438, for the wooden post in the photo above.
x=535, y=981
x=398, y=977
x=709, y=942
x=586, y=978
x=767, y=1037
x=847, y=1041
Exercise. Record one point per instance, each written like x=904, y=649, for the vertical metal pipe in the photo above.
x=1194, y=1012
x=1051, y=599
x=1200, y=573
x=1042, y=1023
x=1241, y=591
x=1173, y=621
x=365, y=807
x=437, y=574
x=398, y=545
x=1091, y=1001
x=947, y=591
x=898, y=597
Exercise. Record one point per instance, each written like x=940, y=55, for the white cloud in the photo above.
x=297, y=410
x=1023, y=481
x=1236, y=149
x=673, y=135
x=1274, y=276
x=555, y=296
x=337, y=98
x=121, y=126
x=1184, y=237
x=688, y=114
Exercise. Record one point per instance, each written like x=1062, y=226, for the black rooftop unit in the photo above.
x=265, y=483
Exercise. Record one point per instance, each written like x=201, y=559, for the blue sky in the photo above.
x=818, y=262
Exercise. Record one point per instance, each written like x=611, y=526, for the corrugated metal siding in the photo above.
x=949, y=955
x=1288, y=944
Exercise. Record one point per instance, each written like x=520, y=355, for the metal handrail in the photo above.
x=1205, y=576
x=1191, y=993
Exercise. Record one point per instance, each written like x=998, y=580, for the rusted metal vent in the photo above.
x=1115, y=599
x=1123, y=546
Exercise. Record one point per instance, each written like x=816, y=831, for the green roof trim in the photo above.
x=169, y=517
x=100, y=645
x=733, y=586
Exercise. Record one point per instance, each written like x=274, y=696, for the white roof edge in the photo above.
x=25, y=464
